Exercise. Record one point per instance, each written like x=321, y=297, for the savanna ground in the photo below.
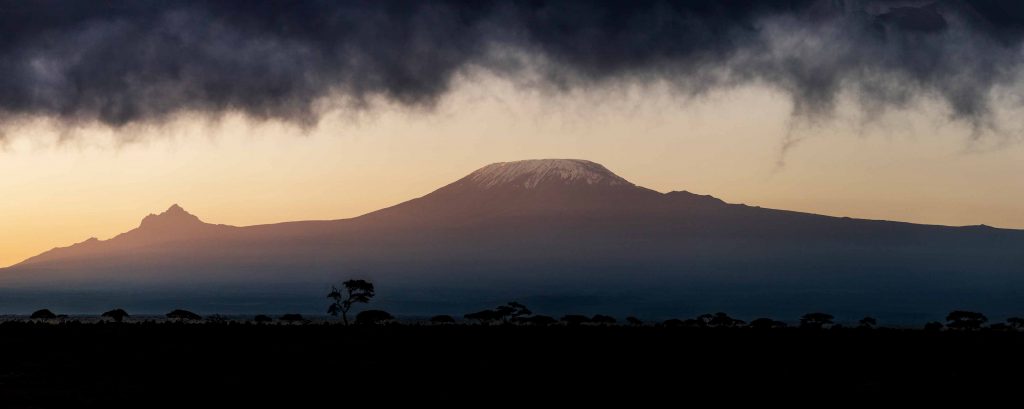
x=320, y=365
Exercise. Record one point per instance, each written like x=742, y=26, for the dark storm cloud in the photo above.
x=121, y=62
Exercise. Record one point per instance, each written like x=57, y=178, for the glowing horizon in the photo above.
x=912, y=166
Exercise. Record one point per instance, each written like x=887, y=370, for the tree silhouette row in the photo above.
x=353, y=292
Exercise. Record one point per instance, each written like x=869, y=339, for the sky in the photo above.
x=883, y=110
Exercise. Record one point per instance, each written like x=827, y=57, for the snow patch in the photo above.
x=532, y=173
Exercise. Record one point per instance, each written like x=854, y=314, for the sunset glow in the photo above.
x=729, y=144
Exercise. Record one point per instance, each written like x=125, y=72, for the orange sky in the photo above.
x=911, y=166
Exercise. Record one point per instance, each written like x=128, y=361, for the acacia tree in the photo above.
x=43, y=314
x=512, y=311
x=117, y=315
x=766, y=323
x=354, y=291
x=965, y=320
x=183, y=315
x=1015, y=322
x=673, y=323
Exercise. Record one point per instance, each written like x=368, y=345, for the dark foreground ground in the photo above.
x=235, y=365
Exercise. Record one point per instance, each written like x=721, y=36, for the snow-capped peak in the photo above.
x=531, y=173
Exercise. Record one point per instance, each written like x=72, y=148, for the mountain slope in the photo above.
x=567, y=235
x=175, y=225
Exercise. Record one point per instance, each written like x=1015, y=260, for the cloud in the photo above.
x=125, y=62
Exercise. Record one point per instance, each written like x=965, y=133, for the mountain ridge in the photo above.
x=559, y=234
x=525, y=175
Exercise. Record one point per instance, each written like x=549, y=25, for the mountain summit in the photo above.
x=506, y=192
x=531, y=174
x=174, y=217
x=563, y=235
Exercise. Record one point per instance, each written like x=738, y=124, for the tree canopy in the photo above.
x=721, y=320
x=355, y=291
x=965, y=320
x=183, y=315
x=766, y=323
x=43, y=314
x=116, y=314
x=673, y=322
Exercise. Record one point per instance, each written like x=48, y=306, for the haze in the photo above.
x=912, y=165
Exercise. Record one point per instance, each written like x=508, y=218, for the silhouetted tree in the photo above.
x=291, y=318
x=999, y=327
x=933, y=326
x=512, y=311
x=721, y=320
x=262, y=319
x=540, y=320
x=673, y=322
x=867, y=323
x=355, y=291
x=1015, y=322
x=634, y=321
x=43, y=314
x=575, y=319
x=442, y=319
x=766, y=323
x=373, y=317
x=602, y=319
x=965, y=320
x=816, y=320
x=117, y=315
x=183, y=315
x=484, y=317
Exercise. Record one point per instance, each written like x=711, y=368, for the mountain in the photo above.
x=559, y=235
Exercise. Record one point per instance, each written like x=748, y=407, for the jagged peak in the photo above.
x=174, y=216
x=529, y=174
